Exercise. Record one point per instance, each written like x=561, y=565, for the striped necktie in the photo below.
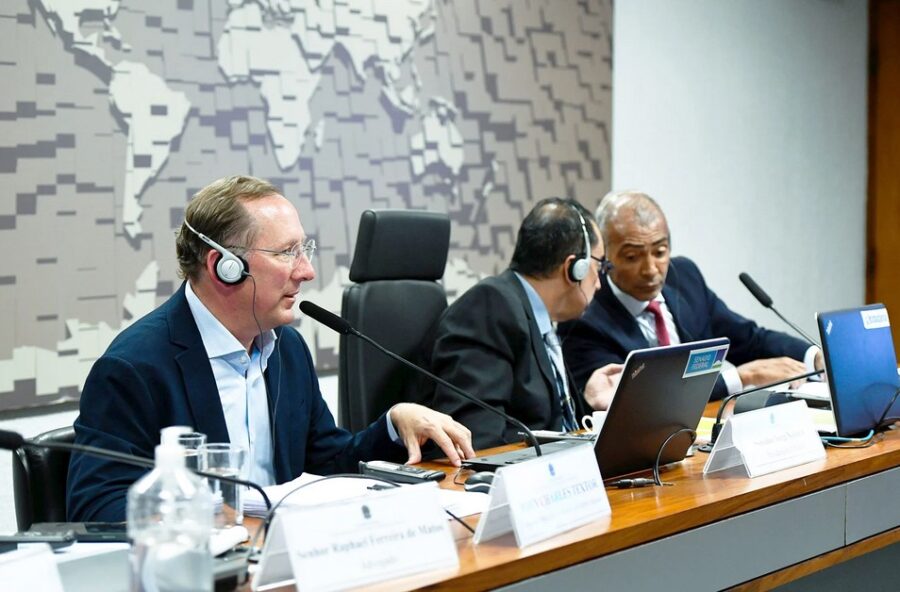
x=551, y=340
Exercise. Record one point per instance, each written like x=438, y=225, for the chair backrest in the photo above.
x=39, y=480
x=395, y=300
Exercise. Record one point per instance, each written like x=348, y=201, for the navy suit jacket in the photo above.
x=607, y=332
x=156, y=373
x=488, y=344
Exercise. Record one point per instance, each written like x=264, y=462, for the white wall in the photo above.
x=746, y=120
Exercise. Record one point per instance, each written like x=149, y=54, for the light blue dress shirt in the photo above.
x=242, y=388
x=545, y=326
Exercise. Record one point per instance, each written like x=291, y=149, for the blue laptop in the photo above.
x=861, y=367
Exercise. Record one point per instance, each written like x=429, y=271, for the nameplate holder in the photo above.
x=767, y=440
x=360, y=541
x=30, y=567
x=545, y=496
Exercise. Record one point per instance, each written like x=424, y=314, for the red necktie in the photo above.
x=662, y=333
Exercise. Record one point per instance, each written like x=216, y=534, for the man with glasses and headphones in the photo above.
x=497, y=341
x=217, y=356
x=652, y=299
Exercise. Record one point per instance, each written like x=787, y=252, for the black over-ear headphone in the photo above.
x=230, y=268
x=578, y=269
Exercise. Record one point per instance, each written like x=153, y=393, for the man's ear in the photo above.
x=209, y=264
x=566, y=269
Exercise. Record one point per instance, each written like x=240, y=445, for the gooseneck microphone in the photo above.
x=13, y=440
x=766, y=301
x=336, y=323
x=717, y=427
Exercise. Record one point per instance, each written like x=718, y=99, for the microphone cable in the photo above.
x=874, y=436
x=630, y=483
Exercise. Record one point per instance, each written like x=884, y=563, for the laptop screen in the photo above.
x=861, y=366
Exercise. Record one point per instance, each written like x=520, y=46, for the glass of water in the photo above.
x=227, y=460
x=194, y=457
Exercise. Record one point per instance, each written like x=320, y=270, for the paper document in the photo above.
x=704, y=429
x=816, y=391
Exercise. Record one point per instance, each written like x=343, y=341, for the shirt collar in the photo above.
x=217, y=340
x=541, y=315
x=634, y=306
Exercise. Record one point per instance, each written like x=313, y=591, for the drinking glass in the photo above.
x=227, y=460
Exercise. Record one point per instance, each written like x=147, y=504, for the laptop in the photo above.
x=663, y=390
x=861, y=367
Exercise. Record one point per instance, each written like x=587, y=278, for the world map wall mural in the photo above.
x=113, y=114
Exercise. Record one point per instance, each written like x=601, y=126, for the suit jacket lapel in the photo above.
x=282, y=414
x=199, y=383
x=628, y=328
x=673, y=303
x=537, y=340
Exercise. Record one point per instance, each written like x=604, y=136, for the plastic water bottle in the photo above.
x=170, y=518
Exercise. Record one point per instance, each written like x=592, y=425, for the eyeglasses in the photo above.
x=292, y=256
x=604, y=265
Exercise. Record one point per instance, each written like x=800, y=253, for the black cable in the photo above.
x=656, y=480
x=717, y=426
x=262, y=377
x=884, y=416
x=663, y=447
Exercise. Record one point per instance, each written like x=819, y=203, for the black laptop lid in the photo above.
x=663, y=390
x=861, y=366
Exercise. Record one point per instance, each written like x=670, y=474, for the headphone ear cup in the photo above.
x=231, y=269
x=578, y=269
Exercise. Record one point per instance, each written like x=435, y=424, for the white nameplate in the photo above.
x=350, y=543
x=767, y=440
x=31, y=567
x=543, y=497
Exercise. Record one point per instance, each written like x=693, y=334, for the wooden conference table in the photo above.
x=704, y=532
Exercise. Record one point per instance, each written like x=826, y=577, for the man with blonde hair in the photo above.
x=217, y=356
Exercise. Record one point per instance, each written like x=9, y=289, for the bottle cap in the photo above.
x=169, y=456
x=170, y=434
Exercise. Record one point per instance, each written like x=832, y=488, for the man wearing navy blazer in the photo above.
x=218, y=357
x=497, y=341
x=650, y=299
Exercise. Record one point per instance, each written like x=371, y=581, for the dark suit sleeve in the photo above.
x=330, y=449
x=701, y=314
x=749, y=341
x=586, y=348
x=477, y=344
x=117, y=412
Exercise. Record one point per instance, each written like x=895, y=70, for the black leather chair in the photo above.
x=395, y=300
x=39, y=480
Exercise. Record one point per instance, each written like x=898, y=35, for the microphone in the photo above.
x=13, y=440
x=336, y=323
x=717, y=427
x=766, y=301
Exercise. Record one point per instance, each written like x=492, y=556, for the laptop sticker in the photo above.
x=875, y=319
x=704, y=361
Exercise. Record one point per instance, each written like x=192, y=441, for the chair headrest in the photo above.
x=400, y=244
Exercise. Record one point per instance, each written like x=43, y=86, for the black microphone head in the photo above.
x=11, y=440
x=754, y=288
x=327, y=318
